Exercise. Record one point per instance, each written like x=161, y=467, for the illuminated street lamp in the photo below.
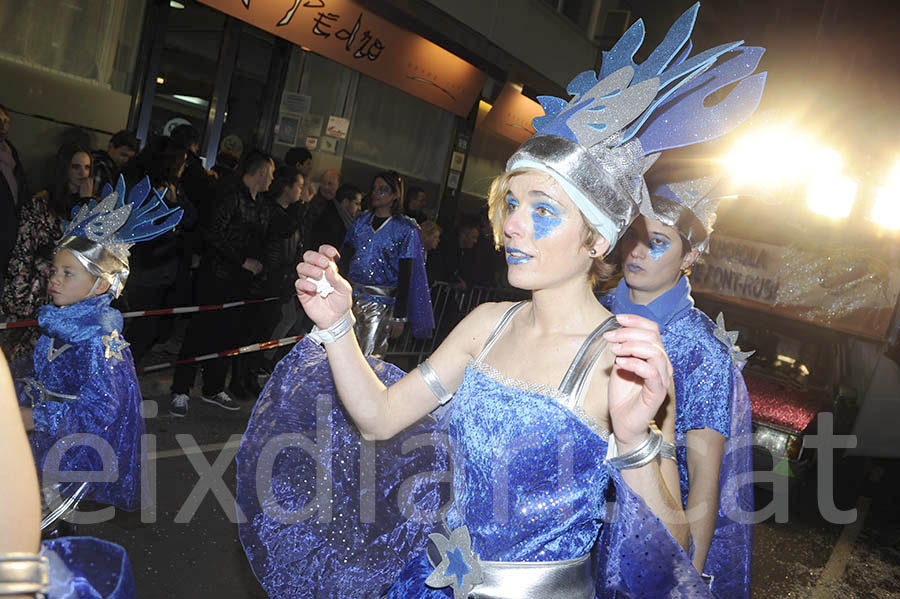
x=886, y=209
x=831, y=194
x=771, y=158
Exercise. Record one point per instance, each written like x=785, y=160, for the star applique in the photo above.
x=729, y=338
x=459, y=567
x=113, y=345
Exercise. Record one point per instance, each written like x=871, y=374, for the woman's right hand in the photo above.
x=326, y=311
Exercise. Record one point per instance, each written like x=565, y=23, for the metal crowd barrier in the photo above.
x=450, y=305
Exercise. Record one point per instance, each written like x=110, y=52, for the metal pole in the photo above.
x=218, y=104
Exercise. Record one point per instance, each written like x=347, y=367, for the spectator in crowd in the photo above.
x=430, y=232
x=40, y=226
x=302, y=160
x=231, y=266
x=331, y=227
x=160, y=269
x=197, y=182
x=283, y=251
x=12, y=190
x=454, y=258
x=109, y=164
x=228, y=160
x=415, y=204
x=328, y=186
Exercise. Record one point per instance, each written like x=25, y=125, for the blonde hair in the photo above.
x=497, y=212
x=429, y=227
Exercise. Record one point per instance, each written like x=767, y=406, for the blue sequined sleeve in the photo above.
x=704, y=398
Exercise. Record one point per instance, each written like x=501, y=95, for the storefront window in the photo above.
x=92, y=39
x=248, y=86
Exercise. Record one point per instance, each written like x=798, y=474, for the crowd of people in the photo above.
x=245, y=226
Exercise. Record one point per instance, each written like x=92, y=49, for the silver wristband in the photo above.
x=334, y=332
x=434, y=383
x=667, y=452
x=24, y=574
x=641, y=455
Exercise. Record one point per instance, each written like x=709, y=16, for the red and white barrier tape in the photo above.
x=18, y=324
x=254, y=347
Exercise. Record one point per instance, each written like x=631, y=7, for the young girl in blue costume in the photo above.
x=712, y=421
x=68, y=568
x=82, y=399
x=555, y=487
x=387, y=269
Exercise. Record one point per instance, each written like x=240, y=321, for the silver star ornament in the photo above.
x=729, y=338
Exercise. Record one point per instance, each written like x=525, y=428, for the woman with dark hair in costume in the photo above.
x=387, y=269
x=40, y=226
x=713, y=410
x=551, y=401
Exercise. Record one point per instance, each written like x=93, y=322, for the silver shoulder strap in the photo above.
x=498, y=330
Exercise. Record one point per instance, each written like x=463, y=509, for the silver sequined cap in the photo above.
x=688, y=206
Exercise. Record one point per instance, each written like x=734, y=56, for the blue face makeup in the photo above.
x=659, y=245
x=546, y=219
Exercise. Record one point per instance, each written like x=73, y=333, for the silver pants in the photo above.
x=372, y=326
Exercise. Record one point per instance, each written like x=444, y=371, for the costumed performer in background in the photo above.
x=536, y=462
x=713, y=408
x=387, y=269
x=69, y=568
x=83, y=380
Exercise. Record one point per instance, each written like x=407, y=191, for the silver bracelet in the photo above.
x=343, y=326
x=24, y=574
x=641, y=455
x=667, y=452
x=434, y=383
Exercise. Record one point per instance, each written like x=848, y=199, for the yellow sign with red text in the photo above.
x=347, y=33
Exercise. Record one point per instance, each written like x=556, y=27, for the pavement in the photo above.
x=804, y=557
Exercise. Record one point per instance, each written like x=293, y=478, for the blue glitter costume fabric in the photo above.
x=376, y=261
x=97, y=374
x=87, y=568
x=507, y=443
x=710, y=393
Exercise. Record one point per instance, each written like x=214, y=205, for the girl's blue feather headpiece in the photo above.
x=100, y=234
x=599, y=144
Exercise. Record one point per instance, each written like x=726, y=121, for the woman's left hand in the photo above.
x=640, y=378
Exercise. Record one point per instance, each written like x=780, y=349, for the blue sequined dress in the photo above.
x=83, y=382
x=376, y=261
x=710, y=393
x=529, y=480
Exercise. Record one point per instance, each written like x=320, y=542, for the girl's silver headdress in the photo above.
x=599, y=144
x=100, y=234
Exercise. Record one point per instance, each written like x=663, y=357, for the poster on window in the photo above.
x=328, y=144
x=299, y=103
x=312, y=143
x=337, y=127
x=311, y=125
x=287, y=130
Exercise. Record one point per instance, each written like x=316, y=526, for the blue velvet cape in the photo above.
x=90, y=387
x=87, y=568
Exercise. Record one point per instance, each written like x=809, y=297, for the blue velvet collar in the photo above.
x=88, y=318
x=663, y=310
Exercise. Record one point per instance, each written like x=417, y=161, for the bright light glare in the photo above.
x=831, y=194
x=886, y=209
x=160, y=80
x=773, y=157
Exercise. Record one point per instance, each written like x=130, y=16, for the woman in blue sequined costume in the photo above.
x=349, y=497
x=713, y=415
x=81, y=398
x=387, y=269
x=69, y=568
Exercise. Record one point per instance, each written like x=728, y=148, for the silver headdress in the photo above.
x=688, y=206
x=599, y=144
x=100, y=234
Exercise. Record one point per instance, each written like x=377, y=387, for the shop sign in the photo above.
x=345, y=32
x=512, y=114
x=842, y=289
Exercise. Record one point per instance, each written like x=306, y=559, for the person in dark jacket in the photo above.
x=109, y=164
x=415, y=204
x=331, y=227
x=159, y=268
x=231, y=267
x=13, y=189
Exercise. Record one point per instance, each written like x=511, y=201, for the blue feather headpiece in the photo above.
x=599, y=144
x=101, y=234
